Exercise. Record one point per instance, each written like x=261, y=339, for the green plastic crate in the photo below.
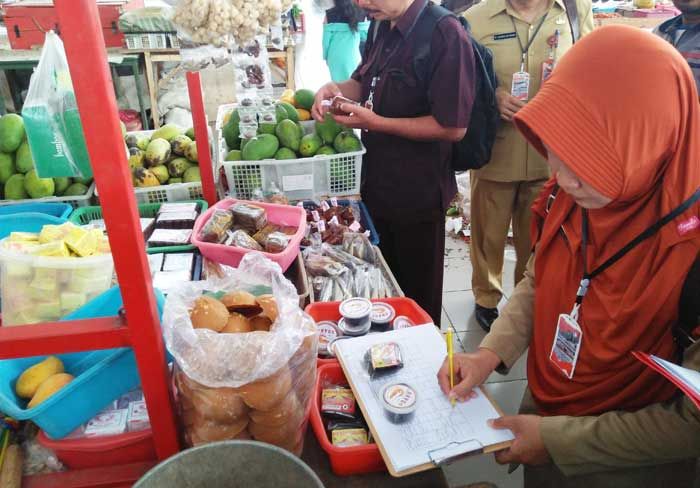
x=83, y=216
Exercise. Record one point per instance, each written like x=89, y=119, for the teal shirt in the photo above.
x=341, y=48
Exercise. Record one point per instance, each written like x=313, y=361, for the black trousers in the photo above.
x=415, y=252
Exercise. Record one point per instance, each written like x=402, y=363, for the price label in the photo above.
x=298, y=182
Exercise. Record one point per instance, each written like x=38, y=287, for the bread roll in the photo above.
x=209, y=431
x=209, y=313
x=290, y=411
x=269, y=306
x=286, y=435
x=267, y=393
x=236, y=324
x=241, y=302
x=261, y=323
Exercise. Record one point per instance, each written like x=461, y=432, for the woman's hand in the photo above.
x=508, y=105
x=470, y=371
x=528, y=447
x=326, y=92
x=358, y=117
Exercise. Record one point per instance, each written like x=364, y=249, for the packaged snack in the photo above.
x=277, y=242
x=129, y=397
x=251, y=217
x=337, y=102
x=384, y=357
x=168, y=207
x=137, y=416
x=262, y=235
x=338, y=402
x=240, y=238
x=402, y=322
x=382, y=316
x=400, y=401
x=169, y=237
x=107, y=423
x=275, y=195
x=349, y=437
x=216, y=227
x=178, y=262
x=176, y=220
x=328, y=331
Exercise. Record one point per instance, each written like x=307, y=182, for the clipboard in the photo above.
x=685, y=386
x=451, y=451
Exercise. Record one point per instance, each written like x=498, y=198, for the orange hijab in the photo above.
x=621, y=110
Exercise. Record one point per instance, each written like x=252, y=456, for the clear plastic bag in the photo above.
x=244, y=385
x=51, y=117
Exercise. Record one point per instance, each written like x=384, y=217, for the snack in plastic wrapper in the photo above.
x=277, y=242
x=359, y=246
x=250, y=217
x=240, y=238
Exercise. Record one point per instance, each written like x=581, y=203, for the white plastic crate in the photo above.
x=146, y=40
x=167, y=193
x=74, y=201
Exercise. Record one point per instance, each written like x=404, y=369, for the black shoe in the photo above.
x=485, y=317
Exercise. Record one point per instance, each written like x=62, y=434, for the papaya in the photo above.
x=304, y=98
x=285, y=153
x=347, y=141
x=261, y=147
x=288, y=134
x=309, y=144
x=292, y=113
x=328, y=129
x=281, y=113
x=231, y=132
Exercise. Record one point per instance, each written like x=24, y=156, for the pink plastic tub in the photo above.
x=285, y=215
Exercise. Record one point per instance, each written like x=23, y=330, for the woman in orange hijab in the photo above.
x=619, y=123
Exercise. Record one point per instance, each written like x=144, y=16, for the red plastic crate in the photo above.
x=345, y=461
x=93, y=452
x=320, y=311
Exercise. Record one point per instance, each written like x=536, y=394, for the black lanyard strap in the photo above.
x=587, y=277
x=525, y=48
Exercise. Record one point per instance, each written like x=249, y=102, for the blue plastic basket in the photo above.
x=365, y=219
x=100, y=377
x=25, y=222
x=56, y=209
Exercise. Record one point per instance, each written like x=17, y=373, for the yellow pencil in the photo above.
x=450, y=357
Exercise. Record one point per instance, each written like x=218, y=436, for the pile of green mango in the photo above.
x=18, y=178
x=285, y=139
x=168, y=156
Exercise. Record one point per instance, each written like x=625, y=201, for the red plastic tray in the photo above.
x=93, y=452
x=320, y=311
x=345, y=461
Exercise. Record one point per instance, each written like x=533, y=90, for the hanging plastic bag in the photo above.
x=254, y=377
x=51, y=117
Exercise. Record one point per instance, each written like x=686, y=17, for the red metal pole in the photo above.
x=201, y=134
x=85, y=49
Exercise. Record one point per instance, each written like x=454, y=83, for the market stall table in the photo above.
x=29, y=59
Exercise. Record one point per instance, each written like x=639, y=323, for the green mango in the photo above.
x=11, y=132
x=347, y=141
x=292, y=113
x=261, y=147
x=288, y=134
x=328, y=129
x=310, y=143
x=285, y=153
x=231, y=131
x=326, y=151
x=234, y=155
x=304, y=98
x=7, y=167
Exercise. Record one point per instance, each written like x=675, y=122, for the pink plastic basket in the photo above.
x=285, y=215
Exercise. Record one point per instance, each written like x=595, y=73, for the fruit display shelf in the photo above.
x=75, y=201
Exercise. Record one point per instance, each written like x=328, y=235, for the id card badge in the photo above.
x=567, y=345
x=547, y=68
x=520, y=87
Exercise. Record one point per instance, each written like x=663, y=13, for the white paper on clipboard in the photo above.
x=437, y=431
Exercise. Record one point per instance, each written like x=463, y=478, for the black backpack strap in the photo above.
x=572, y=15
x=423, y=31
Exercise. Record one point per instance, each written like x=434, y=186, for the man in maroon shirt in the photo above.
x=407, y=179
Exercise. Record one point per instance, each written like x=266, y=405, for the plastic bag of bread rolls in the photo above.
x=245, y=354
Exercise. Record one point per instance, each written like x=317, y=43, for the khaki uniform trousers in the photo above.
x=494, y=205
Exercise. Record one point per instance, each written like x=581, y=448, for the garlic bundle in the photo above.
x=216, y=21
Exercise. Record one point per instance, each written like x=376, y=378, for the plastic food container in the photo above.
x=407, y=307
x=57, y=209
x=92, y=452
x=285, y=215
x=100, y=377
x=44, y=289
x=345, y=461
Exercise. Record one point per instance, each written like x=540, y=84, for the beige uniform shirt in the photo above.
x=491, y=22
x=656, y=434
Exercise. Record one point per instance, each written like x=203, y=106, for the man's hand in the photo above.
x=358, y=117
x=508, y=105
x=470, y=371
x=528, y=447
x=326, y=92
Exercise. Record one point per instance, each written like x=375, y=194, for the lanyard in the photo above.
x=650, y=231
x=525, y=49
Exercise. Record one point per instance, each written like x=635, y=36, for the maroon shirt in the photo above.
x=403, y=178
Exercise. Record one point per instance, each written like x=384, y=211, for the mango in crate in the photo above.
x=37, y=187
x=157, y=152
x=167, y=132
x=179, y=144
x=144, y=178
x=161, y=172
x=49, y=387
x=76, y=190
x=31, y=378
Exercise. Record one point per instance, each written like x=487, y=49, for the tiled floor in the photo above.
x=507, y=391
